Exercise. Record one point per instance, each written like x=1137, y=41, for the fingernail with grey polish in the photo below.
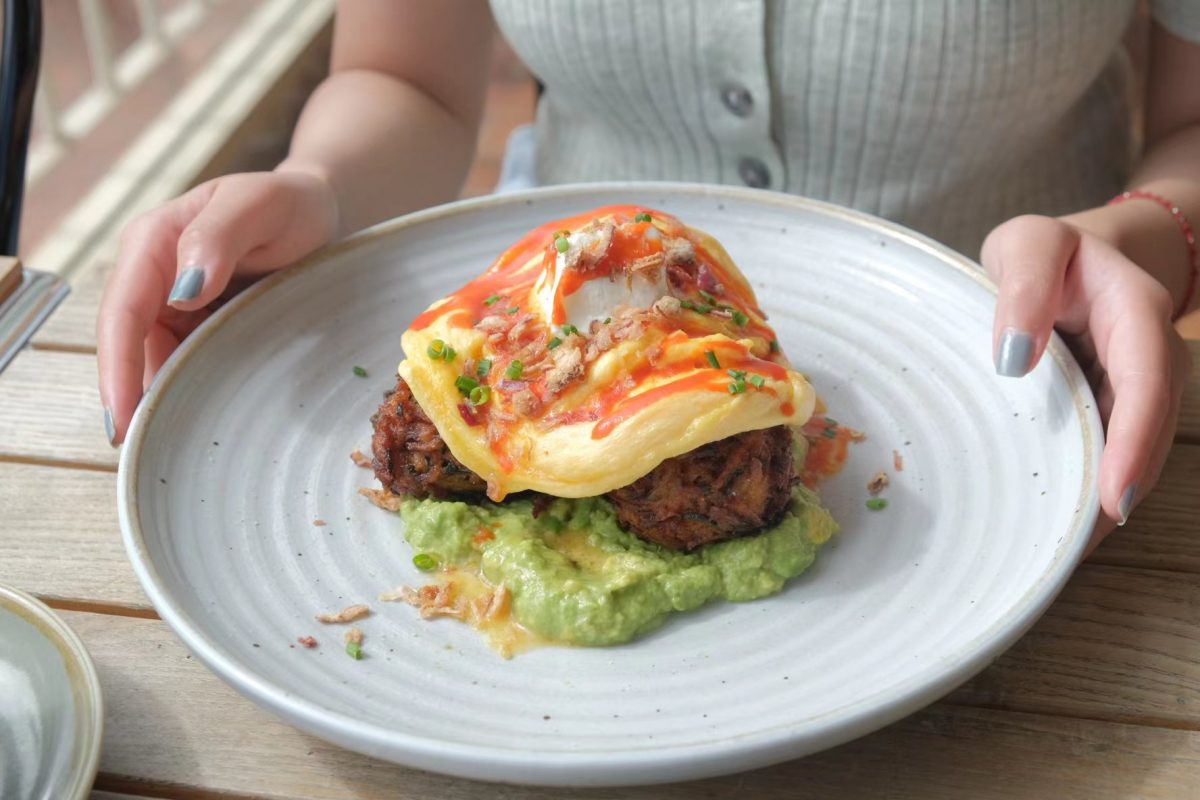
x=187, y=285
x=1015, y=353
x=109, y=427
x=1126, y=504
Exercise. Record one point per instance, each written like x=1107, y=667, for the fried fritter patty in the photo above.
x=733, y=487
x=410, y=457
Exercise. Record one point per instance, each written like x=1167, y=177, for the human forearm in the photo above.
x=393, y=128
x=1144, y=231
x=384, y=147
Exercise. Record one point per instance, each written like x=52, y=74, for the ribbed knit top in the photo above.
x=948, y=116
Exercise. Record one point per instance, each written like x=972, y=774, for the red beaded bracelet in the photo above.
x=1189, y=236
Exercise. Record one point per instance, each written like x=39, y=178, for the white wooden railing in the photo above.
x=113, y=75
x=170, y=151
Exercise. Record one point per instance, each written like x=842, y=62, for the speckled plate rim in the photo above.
x=624, y=767
x=85, y=685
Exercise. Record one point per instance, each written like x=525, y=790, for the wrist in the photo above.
x=1151, y=226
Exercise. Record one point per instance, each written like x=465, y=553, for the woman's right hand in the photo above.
x=177, y=259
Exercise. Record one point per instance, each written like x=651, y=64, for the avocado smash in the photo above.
x=574, y=577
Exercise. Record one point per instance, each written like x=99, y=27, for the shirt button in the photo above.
x=754, y=173
x=737, y=99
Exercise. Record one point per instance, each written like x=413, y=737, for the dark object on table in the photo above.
x=26, y=297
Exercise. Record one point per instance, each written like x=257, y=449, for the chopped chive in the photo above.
x=757, y=381
x=712, y=359
x=737, y=387
x=480, y=395
x=561, y=244
x=491, y=301
x=360, y=372
x=569, y=330
x=515, y=368
x=737, y=374
x=831, y=422
x=607, y=320
x=553, y=343
x=829, y=433
x=739, y=318
x=774, y=345
x=436, y=349
x=465, y=384
x=708, y=298
x=512, y=310
x=699, y=308
x=484, y=367
x=449, y=354
x=425, y=561
x=354, y=650
x=642, y=217
x=877, y=504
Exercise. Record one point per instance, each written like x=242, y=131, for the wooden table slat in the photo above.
x=170, y=721
x=50, y=410
x=1164, y=530
x=73, y=324
x=1189, y=410
x=1118, y=644
x=68, y=543
x=10, y=276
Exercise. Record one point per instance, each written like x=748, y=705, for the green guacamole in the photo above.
x=576, y=577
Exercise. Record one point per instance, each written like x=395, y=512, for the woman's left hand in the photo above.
x=1117, y=320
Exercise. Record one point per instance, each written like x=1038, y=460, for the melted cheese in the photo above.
x=640, y=387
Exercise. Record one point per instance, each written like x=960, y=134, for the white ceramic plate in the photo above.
x=51, y=715
x=243, y=442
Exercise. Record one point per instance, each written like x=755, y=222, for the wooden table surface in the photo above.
x=1101, y=699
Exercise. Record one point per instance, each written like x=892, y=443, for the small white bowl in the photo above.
x=51, y=712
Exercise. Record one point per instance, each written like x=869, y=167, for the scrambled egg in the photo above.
x=594, y=349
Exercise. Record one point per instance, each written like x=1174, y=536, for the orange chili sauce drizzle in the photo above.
x=628, y=245
x=710, y=380
x=513, y=274
x=826, y=455
x=511, y=278
x=734, y=298
x=730, y=355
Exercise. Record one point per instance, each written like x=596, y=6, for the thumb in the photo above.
x=1028, y=258
x=243, y=213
